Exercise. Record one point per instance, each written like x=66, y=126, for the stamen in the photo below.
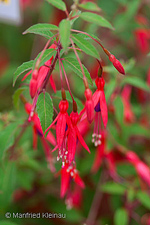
x=72, y=174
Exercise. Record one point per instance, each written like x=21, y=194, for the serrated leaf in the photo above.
x=144, y=198
x=94, y=18
x=16, y=97
x=74, y=65
x=136, y=82
x=121, y=217
x=74, y=13
x=84, y=45
x=90, y=6
x=45, y=110
x=58, y=4
x=68, y=97
x=42, y=29
x=64, y=31
x=86, y=37
x=113, y=188
x=21, y=69
x=48, y=53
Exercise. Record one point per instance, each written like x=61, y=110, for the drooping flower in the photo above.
x=63, y=125
x=100, y=107
x=73, y=136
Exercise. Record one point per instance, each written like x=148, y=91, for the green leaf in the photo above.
x=136, y=82
x=84, y=45
x=21, y=69
x=74, y=13
x=94, y=18
x=16, y=97
x=68, y=97
x=48, y=53
x=25, y=179
x=136, y=130
x=6, y=222
x=74, y=65
x=86, y=37
x=42, y=29
x=119, y=108
x=64, y=31
x=7, y=138
x=58, y=4
x=113, y=188
x=45, y=110
x=7, y=183
x=144, y=198
x=121, y=217
x=90, y=6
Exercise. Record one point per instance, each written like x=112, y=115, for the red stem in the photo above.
x=84, y=77
x=82, y=32
x=67, y=81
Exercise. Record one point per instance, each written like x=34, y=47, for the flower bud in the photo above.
x=89, y=105
x=35, y=74
x=33, y=88
x=117, y=64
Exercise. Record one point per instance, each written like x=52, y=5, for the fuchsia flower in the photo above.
x=77, y=136
x=63, y=120
x=100, y=107
x=67, y=133
x=67, y=174
x=128, y=113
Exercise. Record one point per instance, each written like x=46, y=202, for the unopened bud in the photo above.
x=117, y=64
x=35, y=74
x=33, y=88
x=89, y=105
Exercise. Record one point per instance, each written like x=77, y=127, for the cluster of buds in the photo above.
x=39, y=75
